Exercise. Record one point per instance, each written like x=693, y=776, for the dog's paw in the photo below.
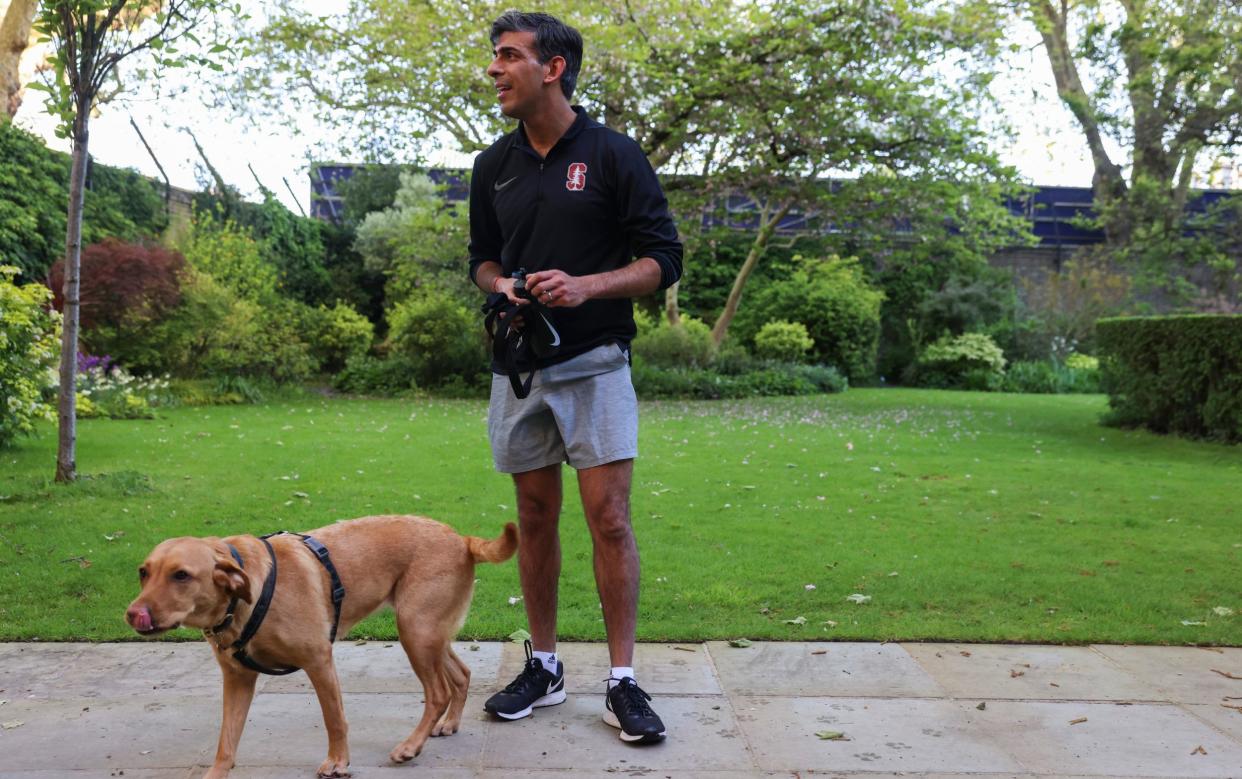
x=446, y=728
x=333, y=769
x=404, y=752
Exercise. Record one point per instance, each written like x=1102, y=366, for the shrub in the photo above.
x=126, y=289
x=29, y=337
x=772, y=379
x=833, y=300
x=971, y=360
x=784, y=341
x=229, y=254
x=440, y=337
x=1174, y=374
x=685, y=345
x=367, y=375
x=1044, y=376
x=335, y=334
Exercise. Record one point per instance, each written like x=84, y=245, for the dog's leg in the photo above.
x=238, y=693
x=457, y=675
x=427, y=655
x=328, y=689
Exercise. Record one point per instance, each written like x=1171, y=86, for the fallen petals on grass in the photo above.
x=858, y=598
x=796, y=621
x=1222, y=611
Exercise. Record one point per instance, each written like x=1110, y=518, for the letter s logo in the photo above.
x=575, y=180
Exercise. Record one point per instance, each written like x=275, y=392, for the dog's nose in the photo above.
x=139, y=617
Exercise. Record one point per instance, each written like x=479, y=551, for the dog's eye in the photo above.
x=142, y=574
x=181, y=576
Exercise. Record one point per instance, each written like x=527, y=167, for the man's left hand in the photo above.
x=558, y=288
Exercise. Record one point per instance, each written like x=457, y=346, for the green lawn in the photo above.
x=963, y=516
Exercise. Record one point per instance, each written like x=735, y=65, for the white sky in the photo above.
x=1046, y=147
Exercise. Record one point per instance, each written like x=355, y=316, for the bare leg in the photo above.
x=539, y=553
x=606, y=501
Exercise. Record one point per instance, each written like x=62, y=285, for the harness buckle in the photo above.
x=338, y=594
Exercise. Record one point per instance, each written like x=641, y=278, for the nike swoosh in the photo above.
x=502, y=184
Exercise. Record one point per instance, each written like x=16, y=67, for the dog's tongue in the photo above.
x=142, y=620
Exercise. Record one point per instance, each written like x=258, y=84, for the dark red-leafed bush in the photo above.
x=123, y=283
x=127, y=290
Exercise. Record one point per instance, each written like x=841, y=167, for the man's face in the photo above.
x=517, y=73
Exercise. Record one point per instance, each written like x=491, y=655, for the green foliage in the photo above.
x=228, y=253
x=110, y=392
x=335, y=334
x=29, y=339
x=685, y=345
x=783, y=341
x=1047, y=377
x=371, y=188
x=836, y=304
x=767, y=379
x=1174, y=374
x=1064, y=306
x=291, y=244
x=968, y=361
x=367, y=375
x=418, y=242
x=441, y=337
x=34, y=183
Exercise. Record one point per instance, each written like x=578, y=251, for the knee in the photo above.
x=610, y=523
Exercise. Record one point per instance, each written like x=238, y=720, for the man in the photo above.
x=579, y=208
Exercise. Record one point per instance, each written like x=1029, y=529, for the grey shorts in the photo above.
x=582, y=411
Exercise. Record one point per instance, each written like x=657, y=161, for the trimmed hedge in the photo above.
x=1174, y=374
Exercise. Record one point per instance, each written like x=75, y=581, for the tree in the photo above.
x=89, y=39
x=16, y=19
x=759, y=97
x=1162, y=80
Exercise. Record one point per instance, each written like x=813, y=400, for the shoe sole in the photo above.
x=551, y=699
x=629, y=738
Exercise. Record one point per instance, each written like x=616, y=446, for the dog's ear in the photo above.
x=232, y=580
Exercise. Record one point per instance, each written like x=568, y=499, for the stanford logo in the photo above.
x=576, y=177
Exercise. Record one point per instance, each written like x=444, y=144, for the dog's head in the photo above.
x=185, y=581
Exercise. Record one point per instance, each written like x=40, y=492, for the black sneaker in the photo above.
x=535, y=686
x=627, y=710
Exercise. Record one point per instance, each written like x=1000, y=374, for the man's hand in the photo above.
x=558, y=288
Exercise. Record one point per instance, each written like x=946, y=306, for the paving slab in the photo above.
x=843, y=669
x=573, y=736
x=906, y=735
x=1034, y=672
x=155, y=669
x=382, y=666
x=1148, y=740
x=286, y=731
x=141, y=731
x=1226, y=720
x=662, y=669
x=1182, y=674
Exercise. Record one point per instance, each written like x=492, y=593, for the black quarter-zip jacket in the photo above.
x=592, y=205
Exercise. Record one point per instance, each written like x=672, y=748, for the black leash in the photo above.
x=265, y=600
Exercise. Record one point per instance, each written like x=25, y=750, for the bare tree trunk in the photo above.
x=66, y=453
x=672, y=312
x=15, y=21
x=768, y=222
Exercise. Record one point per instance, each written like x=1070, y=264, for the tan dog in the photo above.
x=423, y=568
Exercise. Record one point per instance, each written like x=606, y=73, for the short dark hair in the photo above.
x=553, y=38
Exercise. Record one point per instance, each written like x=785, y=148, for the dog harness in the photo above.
x=265, y=600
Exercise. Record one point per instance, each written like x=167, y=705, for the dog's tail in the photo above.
x=495, y=550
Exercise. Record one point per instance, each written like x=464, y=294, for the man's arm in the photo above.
x=558, y=288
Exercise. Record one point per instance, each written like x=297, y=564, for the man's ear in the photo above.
x=232, y=580
x=556, y=67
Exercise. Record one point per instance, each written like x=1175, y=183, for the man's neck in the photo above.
x=546, y=127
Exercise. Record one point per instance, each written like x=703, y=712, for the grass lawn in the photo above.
x=961, y=516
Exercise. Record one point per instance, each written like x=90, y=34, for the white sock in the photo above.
x=619, y=673
x=547, y=658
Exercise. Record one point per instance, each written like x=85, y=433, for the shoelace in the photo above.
x=529, y=676
x=635, y=697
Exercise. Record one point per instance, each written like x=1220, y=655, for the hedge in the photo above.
x=1174, y=374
